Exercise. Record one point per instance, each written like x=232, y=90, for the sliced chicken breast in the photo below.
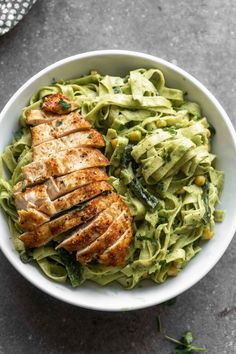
x=32, y=197
x=58, y=103
x=37, y=116
x=58, y=128
x=64, y=162
x=44, y=233
x=67, y=172
x=112, y=234
x=91, y=231
x=90, y=138
x=31, y=218
x=116, y=254
x=59, y=186
x=55, y=187
x=78, y=196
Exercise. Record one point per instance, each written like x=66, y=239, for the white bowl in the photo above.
x=113, y=297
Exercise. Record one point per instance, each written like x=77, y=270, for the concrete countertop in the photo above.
x=200, y=37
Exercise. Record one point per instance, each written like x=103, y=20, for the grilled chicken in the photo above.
x=32, y=197
x=110, y=236
x=56, y=187
x=44, y=233
x=68, y=171
x=36, y=116
x=58, y=103
x=116, y=254
x=78, y=196
x=64, y=162
x=31, y=218
x=59, y=186
x=89, y=138
x=58, y=128
x=91, y=231
x=37, y=197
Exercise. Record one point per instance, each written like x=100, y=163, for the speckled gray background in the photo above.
x=199, y=36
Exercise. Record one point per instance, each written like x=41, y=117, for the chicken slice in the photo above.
x=58, y=128
x=36, y=116
x=64, y=162
x=59, y=186
x=91, y=231
x=58, y=103
x=46, y=232
x=90, y=138
x=32, y=197
x=31, y=218
x=78, y=196
x=116, y=254
x=112, y=234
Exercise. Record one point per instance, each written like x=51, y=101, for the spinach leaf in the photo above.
x=205, y=196
x=26, y=257
x=126, y=158
x=143, y=194
x=72, y=267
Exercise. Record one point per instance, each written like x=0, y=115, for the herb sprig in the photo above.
x=64, y=105
x=184, y=345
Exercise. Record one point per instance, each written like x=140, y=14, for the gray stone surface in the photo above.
x=199, y=36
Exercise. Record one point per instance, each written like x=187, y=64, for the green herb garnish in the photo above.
x=171, y=130
x=58, y=123
x=167, y=156
x=64, y=105
x=159, y=325
x=184, y=345
x=117, y=89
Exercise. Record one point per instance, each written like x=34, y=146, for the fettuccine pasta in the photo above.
x=159, y=147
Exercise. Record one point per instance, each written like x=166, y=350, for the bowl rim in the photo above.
x=98, y=53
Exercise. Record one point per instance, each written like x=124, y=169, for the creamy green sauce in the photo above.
x=158, y=143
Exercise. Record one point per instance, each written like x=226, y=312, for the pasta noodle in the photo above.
x=159, y=146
